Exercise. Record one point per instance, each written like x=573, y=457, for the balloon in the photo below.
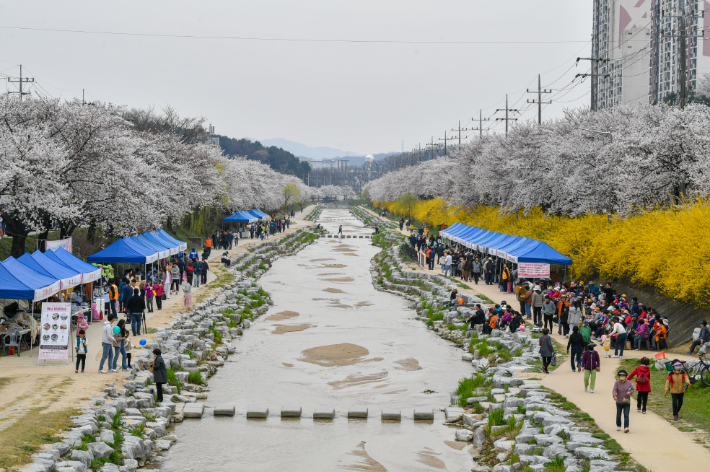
x=116, y=330
x=142, y=343
x=461, y=301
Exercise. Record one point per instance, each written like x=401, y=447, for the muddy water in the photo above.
x=349, y=346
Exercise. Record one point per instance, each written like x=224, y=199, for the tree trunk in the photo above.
x=169, y=224
x=42, y=240
x=19, y=234
x=91, y=233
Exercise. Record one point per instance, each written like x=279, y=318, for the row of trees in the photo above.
x=610, y=161
x=67, y=164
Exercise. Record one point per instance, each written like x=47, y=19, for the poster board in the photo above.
x=55, y=331
x=63, y=243
x=533, y=270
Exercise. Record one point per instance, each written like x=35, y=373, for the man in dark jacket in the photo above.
x=135, y=307
x=181, y=266
x=160, y=373
x=205, y=268
x=702, y=337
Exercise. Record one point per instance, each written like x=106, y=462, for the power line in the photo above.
x=294, y=40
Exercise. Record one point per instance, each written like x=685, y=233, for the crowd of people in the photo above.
x=264, y=229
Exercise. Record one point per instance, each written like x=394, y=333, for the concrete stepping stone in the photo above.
x=291, y=412
x=324, y=414
x=224, y=410
x=257, y=413
x=422, y=414
x=357, y=412
x=193, y=410
x=391, y=415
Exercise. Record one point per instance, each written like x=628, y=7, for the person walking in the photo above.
x=118, y=345
x=546, y=350
x=577, y=344
x=159, y=291
x=677, y=383
x=622, y=396
x=107, y=343
x=160, y=373
x=340, y=229
x=575, y=315
x=643, y=384
x=591, y=365
x=620, y=338
x=537, y=301
x=548, y=311
x=175, y=283
x=187, y=292
x=205, y=269
x=136, y=305
x=81, y=349
x=149, y=296
x=113, y=296
x=447, y=264
x=563, y=316
x=476, y=269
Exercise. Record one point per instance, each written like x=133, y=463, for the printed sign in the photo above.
x=63, y=243
x=533, y=270
x=55, y=331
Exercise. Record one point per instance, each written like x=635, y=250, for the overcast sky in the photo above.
x=360, y=97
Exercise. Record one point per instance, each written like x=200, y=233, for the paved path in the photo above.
x=653, y=441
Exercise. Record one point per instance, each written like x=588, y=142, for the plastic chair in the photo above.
x=643, y=341
x=12, y=338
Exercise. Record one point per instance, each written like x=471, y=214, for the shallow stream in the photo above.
x=330, y=341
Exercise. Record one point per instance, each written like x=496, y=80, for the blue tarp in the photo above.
x=44, y=265
x=514, y=248
x=20, y=282
x=163, y=252
x=88, y=272
x=181, y=244
x=124, y=250
x=241, y=217
x=260, y=214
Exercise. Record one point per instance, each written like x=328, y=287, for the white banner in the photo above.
x=533, y=270
x=63, y=243
x=55, y=332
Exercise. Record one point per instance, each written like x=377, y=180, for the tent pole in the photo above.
x=32, y=339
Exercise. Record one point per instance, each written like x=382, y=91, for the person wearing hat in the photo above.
x=622, y=391
x=548, y=311
x=591, y=365
x=677, y=382
x=621, y=334
x=702, y=337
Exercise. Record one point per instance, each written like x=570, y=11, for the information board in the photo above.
x=55, y=331
x=527, y=270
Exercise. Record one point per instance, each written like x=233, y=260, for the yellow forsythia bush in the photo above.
x=664, y=248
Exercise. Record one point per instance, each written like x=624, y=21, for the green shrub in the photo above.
x=496, y=418
x=173, y=380
x=195, y=378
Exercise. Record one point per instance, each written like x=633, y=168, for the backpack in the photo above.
x=643, y=378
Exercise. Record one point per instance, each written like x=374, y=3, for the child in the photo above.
x=643, y=384
x=81, y=350
x=591, y=365
x=621, y=392
x=81, y=322
x=677, y=383
x=606, y=344
x=127, y=346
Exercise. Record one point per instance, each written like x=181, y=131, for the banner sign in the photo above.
x=63, y=243
x=533, y=270
x=55, y=331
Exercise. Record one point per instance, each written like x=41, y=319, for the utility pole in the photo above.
x=460, y=129
x=21, y=81
x=420, y=153
x=593, y=75
x=683, y=18
x=539, y=101
x=431, y=147
x=447, y=139
x=480, y=123
x=507, y=110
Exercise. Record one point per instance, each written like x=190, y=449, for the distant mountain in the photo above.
x=301, y=150
x=320, y=152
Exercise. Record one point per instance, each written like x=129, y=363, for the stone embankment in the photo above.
x=124, y=428
x=513, y=422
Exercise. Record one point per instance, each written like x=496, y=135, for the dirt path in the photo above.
x=653, y=441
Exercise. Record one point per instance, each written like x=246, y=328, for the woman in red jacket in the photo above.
x=643, y=384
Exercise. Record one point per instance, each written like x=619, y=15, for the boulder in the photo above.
x=591, y=453
x=84, y=457
x=100, y=450
x=464, y=435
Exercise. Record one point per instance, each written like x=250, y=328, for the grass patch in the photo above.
x=195, y=378
x=20, y=440
x=173, y=380
x=138, y=431
x=466, y=388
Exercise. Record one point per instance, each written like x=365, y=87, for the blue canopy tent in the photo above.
x=514, y=253
x=448, y=231
x=484, y=243
x=157, y=239
x=44, y=265
x=89, y=273
x=469, y=236
x=23, y=283
x=163, y=252
x=544, y=254
x=494, y=248
x=125, y=250
x=241, y=217
x=260, y=214
x=503, y=251
x=182, y=245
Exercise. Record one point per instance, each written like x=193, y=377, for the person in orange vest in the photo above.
x=430, y=257
x=661, y=333
x=208, y=246
x=113, y=297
